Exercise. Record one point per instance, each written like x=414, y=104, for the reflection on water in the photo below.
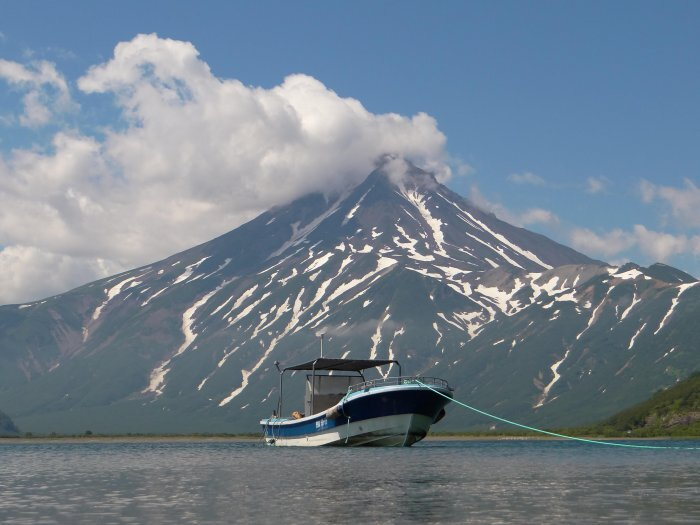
x=436, y=482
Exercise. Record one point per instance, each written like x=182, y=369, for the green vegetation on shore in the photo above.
x=674, y=412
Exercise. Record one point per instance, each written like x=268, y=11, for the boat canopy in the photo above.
x=342, y=365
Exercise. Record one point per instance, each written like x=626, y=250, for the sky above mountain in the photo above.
x=132, y=130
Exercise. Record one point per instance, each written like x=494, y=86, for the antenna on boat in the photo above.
x=321, y=335
x=279, y=399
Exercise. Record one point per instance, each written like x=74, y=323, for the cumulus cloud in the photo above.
x=607, y=245
x=193, y=156
x=526, y=178
x=658, y=246
x=680, y=203
x=596, y=185
x=661, y=246
x=46, y=90
x=464, y=169
x=529, y=217
x=647, y=191
x=538, y=216
x=683, y=203
x=29, y=272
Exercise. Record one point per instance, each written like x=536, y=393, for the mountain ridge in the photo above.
x=7, y=426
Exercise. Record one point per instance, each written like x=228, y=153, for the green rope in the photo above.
x=554, y=434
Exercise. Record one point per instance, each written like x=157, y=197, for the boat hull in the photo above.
x=397, y=416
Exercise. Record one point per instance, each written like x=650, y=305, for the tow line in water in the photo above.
x=554, y=434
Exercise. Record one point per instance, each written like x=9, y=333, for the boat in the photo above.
x=343, y=408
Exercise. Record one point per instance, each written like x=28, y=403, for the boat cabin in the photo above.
x=330, y=380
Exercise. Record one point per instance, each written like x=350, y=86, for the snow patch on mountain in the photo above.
x=567, y=297
x=377, y=337
x=279, y=311
x=632, y=274
x=410, y=246
x=425, y=272
x=556, y=376
x=681, y=288
x=291, y=326
x=114, y=291
x=502, y=299
x=549, y=287
x=434, y=224
x=189, y=269
x=221, y=267
x=392, y=355
x=594, y=314
x=247, y=310
x=469, y=321
x=635, y=301
x=157, y=377
x=292, y=275
x=352, y=212
x=151, y=297
x=319, y=262
x=300, y=234
x=634, y=337
x=241, y=299
x=296, y=312
x=470, y=219
x=435, y=327
x=227, y=354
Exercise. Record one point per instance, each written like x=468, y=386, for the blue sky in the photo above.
x=579, y=120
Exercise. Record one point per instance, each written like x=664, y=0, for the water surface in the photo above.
x=204, y=482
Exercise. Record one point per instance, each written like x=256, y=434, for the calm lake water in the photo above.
x=433, y=482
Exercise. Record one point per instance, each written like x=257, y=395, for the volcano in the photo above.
x=398, y=267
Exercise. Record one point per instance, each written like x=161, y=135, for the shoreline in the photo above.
x=468, y=437
x=244, y=438
x=22, y=440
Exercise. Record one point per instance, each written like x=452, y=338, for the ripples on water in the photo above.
x=434, y=482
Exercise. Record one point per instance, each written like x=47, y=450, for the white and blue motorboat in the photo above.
x=343, y=408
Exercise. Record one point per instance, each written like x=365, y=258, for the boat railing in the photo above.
x=403, y=380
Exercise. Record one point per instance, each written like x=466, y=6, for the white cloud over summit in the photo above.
x=193, y=156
